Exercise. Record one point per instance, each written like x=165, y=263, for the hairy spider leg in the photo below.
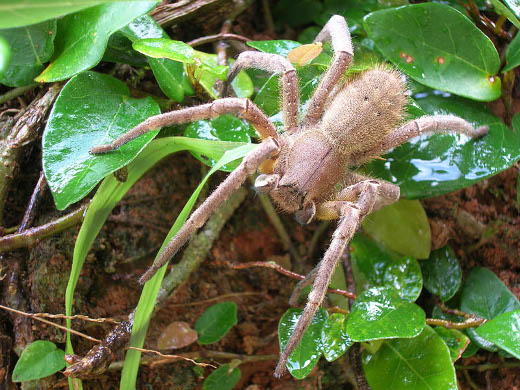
x=272, y=63
x=336, y=31
x=244, y=108
x=267, y=149
x=350, y=215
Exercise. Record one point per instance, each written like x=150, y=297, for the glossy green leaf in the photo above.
x=514, y=5
x=504, y=331
x=216, y=321
x=405, y=276
x=423, y=40
x=280, y=47
x=223, y=378
x=402, y=227
x=456, y=341
x=513, y=54
x=485, y=295
x=39, y=360
x=223, y=128
x=287, y=12
x=92, y=109
x=380, y=313
x=442, y=273
x=5, y=55
x=165, y=48
x=434, y=165
x=31, y=47
x=305, y=356
x=170, y=75
x=420, y=363
x=83, y=37
x=120, y=50
x=16, y=13
x=334, y=337
x=501, y=9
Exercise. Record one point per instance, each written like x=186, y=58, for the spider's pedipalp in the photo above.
x=272, y=63
x=268, y=148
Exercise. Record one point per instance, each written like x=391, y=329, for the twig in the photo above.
x=220, y=297
x=13, y=93
x=456, y=312
x=280, y=269
x=218, y=37
x=32, y=236
x=488, y=366
x=37, y=318
x=169, y=357
x=33, y=203
x=469, y=323
x=268, y=17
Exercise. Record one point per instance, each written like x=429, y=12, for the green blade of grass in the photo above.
x=151, y=288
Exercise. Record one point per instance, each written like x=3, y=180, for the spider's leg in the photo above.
x=240, y=107
x=350, y=216
x=272, y=63
x=416, y=127
x=267, y=149
x=336, y=31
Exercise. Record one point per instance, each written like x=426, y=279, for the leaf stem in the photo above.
x=16, y=92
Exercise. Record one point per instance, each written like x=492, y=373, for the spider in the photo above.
x=305, y=169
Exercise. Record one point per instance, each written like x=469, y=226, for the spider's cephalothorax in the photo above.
x=306, y=169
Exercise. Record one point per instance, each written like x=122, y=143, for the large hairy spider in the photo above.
x=306, y=168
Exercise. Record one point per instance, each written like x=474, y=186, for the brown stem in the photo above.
x=280, y=269
x=456, y=312
x=488, y=366
x=218, y=37
x=14, y=93
x=28, y=217
x=469, y=323
x=33, y=236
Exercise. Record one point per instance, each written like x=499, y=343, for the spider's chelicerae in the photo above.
x=306, y=168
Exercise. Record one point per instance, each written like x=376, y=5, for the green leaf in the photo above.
x=485, y=295
x=514, y=5
x=420, y=363
x=165, y=48
x=334, y=337
x=120, y=50
x=423, y=40
x=380, y=313
x=512, y=54
x=504, y=332
x=5, y=55
x=456, y=341
x=83, y=37
x=286, y=12
x=39, y=360
x=170, y=75
x=434, y=165
x=223, y=128
x=280, y=47
x=402, y=227
x=216, y=321
x=16, y=13
x=31, y=47
x=405, y=276
x=92, y=109
x=442, y=273
x=223, y=378
x=501, y=9
x=305, y=356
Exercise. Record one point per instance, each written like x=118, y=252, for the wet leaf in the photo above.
x=165, y=48
x=92, y=109
x=16, y=13
x=405, y=276
x=170, y=75
x=223, y=378
x=308, y=352
x=83, y=37
x=512, y=54
x=485, y=295
x=120, y=50
x=501, y=9
x=442, y=273
x=177, y=334
x=5, y=55
x=334, y=337
x=39, y=360
x=216, y=321
x=31, y=47
x=302, y=55
x=514, y=5
x=434, y=165
x=223, y=128
x=420, y=363
x=504, y=331
x=380, y=313
x=403, y=227
x=280, y=47
x=421, y=39
x=456, y=341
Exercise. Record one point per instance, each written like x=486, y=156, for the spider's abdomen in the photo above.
x=365, y=110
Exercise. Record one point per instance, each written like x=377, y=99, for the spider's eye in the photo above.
x=366, y=98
